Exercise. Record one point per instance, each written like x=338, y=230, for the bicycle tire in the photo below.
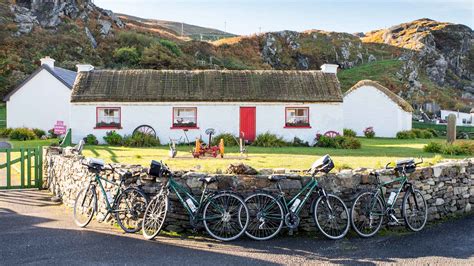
x=135, y=211
x=257, y=219
x=355, y=215
x=155, y=215
x=225, y=198
x=337, y=204
x=409, y=224
x=81, y=197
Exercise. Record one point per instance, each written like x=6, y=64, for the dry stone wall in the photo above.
x=448, y=187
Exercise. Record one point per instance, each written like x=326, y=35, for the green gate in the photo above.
x=21, y=168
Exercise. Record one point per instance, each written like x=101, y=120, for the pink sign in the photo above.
x=59, y=128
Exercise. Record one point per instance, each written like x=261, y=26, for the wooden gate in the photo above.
x=21, y=168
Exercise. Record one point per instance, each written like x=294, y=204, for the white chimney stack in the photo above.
x=84, y=67
x=48, y=61
x=329, y=68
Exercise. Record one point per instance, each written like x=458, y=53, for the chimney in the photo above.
x=329, y=68
x=84, y=67
x=48, y=61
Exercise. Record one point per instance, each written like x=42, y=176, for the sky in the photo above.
x=246, y=17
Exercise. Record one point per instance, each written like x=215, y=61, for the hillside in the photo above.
x=423, y=60
x=180, y=29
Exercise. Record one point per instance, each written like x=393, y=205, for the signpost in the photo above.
x=59, y=128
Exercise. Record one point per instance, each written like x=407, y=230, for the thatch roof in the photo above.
x=395, y=98
x=206, y=85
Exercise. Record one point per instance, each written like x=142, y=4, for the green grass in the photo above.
x=374, y=153
x=32, y=143
x=3, y=115
x=383, y=71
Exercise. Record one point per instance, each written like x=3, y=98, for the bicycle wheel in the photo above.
x=415, y=211
x=225, y=216
x=331, y=216
x=130, y=208
x=367, y=214
x=266, y=216
x=155, y=215
x=85, y=206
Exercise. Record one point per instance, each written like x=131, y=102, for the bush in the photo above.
x=126, y=56
x=369, y=132
x=141, y=140
x=269, y=140
x=22, y=134
x=113, y=138
x=456, y=148
x=172, y=46
x=297, y=142
x=52, y=134
x=434, y=132
x=426, y=134
x=406, y=134
x=39, y=132
x=339, y=142
x=349, y=133
x=91, y=140
x=5, y=132
x=229, y=139
x=433, y=147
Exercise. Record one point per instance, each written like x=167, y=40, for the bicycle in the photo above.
x=127, y=204
x=223, y=213
x=370, y=208
x=268, y=213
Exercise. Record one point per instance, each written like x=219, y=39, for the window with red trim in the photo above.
x=297, y=117
x=184, y=117
x=108, y=117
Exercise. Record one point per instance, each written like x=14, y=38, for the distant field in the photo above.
x=3, y=115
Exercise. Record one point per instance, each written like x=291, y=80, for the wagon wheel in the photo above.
x=331, y=134
x=145, y=129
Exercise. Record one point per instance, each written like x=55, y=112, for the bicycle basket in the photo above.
x=408, y=164
x=155, y=168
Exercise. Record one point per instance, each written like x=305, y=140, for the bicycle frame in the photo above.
x=308, y=188
x=109, y=205
x=179, y=190
x=403, y=180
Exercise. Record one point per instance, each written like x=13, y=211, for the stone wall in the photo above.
x=448, y=187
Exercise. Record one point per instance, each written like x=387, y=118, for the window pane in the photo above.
x=297, y=117
x=108, y=117
x=185, y=117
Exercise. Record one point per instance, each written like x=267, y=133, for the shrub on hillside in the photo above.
x=229, y=139
x=349, y=133
x=406, y=134
x=369, y=132
x=22, y=134
x=91, y=139
x=126, y=56
x=39, y=132
x=269, y=140
x=339, y=142
x=5, y=132
x=172, y=46
x=113, y=138
x=141, y=140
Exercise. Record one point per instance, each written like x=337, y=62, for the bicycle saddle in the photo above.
x=276, y=177
x=208, y=179
x=95, y=163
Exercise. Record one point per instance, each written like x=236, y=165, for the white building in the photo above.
x=42, y=99
x=462, y=119
x=369, y=104
x=246, y=103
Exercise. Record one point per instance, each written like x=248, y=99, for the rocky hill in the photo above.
x=423, y=60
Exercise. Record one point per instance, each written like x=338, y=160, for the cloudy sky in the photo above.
x=247, y=16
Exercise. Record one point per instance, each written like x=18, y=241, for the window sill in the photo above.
x=297, y=127
x=111, y=127
x=184, y=127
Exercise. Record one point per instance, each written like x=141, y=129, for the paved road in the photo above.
x=37, y=231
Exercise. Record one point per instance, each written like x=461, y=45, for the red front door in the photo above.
x=247, y=123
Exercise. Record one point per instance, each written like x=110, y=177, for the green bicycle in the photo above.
x=269, y=213
x=223, y=213
x=128, y=204
x=369, y=208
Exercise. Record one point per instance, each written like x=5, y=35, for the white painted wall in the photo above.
x=459, y=117
x=39, y=103
x=367, y=106
x=224, y=117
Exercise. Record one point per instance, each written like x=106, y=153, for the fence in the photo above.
x=21, y=168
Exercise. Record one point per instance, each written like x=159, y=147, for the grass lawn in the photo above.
x=374, y=153
x=32, y=143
